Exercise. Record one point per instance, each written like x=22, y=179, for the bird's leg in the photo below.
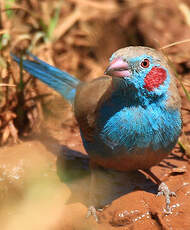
x=91, y=207
x=102, y=188
x=162, y=190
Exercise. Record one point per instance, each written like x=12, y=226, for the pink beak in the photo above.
x=118, y=68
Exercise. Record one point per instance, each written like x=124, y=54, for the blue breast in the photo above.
x=126, y=127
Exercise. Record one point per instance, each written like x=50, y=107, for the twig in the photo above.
x=67, y=24
x=3, y=31
x=98, y=4
x=175, y=44
x=4, y=84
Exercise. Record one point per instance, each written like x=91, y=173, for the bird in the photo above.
x=129, y=118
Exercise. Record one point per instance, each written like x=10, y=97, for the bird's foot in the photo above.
x=92, y=212
x=164, y=190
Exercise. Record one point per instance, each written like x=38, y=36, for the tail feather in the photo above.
x=57, y=79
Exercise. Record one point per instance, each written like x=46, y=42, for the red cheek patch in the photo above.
x=155, y=78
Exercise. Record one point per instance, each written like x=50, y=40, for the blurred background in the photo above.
x=77, y=36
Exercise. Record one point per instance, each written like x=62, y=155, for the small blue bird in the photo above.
x=129, y=119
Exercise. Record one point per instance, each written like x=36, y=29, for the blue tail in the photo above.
x=59, y=80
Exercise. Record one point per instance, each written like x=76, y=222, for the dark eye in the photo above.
x=145, y=63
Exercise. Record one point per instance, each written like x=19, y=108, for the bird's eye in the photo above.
x=145, y=63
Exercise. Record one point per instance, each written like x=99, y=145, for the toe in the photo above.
x=92, y=212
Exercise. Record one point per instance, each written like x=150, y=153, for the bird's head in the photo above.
x=143, y=69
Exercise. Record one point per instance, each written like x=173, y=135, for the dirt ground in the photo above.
x=45, y=177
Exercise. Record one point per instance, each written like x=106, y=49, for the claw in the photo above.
x=164, y=190
x=92, y=212
x=173, y=194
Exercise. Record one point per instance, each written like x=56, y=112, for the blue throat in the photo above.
x=129, y=124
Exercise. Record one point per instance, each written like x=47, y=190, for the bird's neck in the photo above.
x=130, y=96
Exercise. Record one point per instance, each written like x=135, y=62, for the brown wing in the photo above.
x=88, y=99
